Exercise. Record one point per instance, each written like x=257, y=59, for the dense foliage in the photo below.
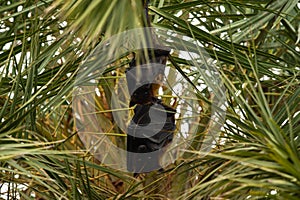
x=255, y=45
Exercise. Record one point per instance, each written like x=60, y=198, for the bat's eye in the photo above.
x=142, y=148
x=146, y=92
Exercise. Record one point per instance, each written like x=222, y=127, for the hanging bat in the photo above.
x=148, y=139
